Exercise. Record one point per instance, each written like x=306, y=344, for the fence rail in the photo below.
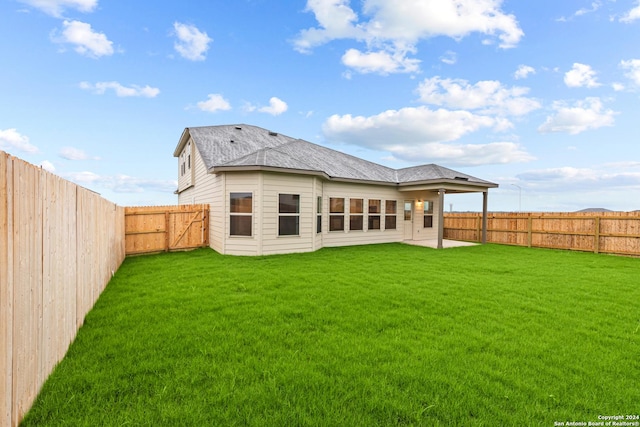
x=151, y=229
x=602, y=232
x=59, y=246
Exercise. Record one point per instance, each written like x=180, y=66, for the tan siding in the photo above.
x=186, y=179
x=207, y=189
x=420, y=232
x=202, y=190
x=265, y=186
x=242, y=182
x=318, y=192
x=216, y=213
x=273, y=185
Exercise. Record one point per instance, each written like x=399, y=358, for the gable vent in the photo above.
x=273, y=133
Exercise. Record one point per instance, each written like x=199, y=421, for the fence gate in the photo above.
x=166, y=228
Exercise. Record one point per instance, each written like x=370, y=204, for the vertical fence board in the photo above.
x=27, y=297
x=166, y=228
x=602, y=232
x=59, y=246
x=6, y=289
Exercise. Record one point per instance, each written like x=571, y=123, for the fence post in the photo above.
x=166, y=231
x=596, y=235
x=529, y=229
x=479, y=227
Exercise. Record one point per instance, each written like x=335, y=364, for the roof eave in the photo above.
x=255, y=168
x=182, y=142
x=447, y=184
x=363, y=181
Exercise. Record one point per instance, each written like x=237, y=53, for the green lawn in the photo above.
x=372, y=335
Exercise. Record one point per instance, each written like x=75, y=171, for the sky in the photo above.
x=540, y=97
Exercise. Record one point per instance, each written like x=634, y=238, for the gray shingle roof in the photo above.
x=238, y=146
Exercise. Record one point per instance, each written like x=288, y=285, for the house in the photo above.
x=272, y=194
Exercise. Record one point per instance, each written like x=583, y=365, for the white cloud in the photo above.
x=412, y=20
x=523, y=72
x=84, y=178
x=121, y=183
x=86, y=41
x=594, y=7
x=629, y=164
x=192, y=43
x=420, y=134
x=558, y=174
x=48, y=166
x=407, y=126
x=464, y=154
x=618, y=87
x=488, y=96
x=394, y=28
x=569, y=178
x=248, y=107
x=584, y=115
x=56, y=7
x=129, y=184
x=337, y=21
x=215, y=102
x=72, y=153
x=100, y=88
x=449, y=57
x=11, y=139
x=632, y=14
x=275, y=108
x=382, y=62
x=633, y=70
x=581, y=75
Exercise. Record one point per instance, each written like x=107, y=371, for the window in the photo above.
x=241, y=210
x=428, y=214
x=390, y=215
x=289, y=218
x=375, y=207
x=319, y=215
x=356, y=216
x=336, y=206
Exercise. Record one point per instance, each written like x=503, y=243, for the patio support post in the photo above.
x=485, y=195
x=440, y=217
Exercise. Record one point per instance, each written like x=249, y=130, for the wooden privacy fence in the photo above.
x=59, y=246
x=166, y=228
x=601, y=232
